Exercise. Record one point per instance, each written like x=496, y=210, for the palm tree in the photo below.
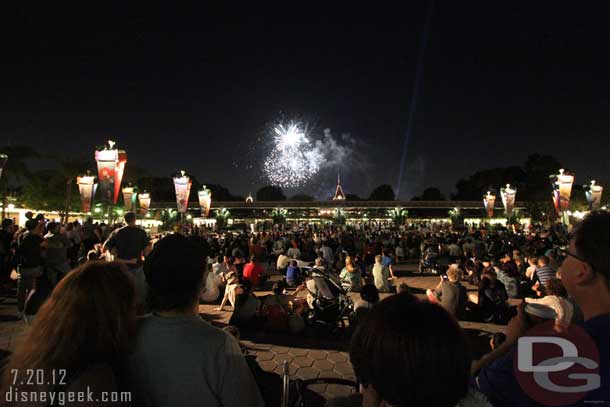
x=16, y=168
x=68, y=169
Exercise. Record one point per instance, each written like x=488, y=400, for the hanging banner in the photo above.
x=593, y=192
x=106, y=169
x=508, y=198
x=144, y=198
x=86, y=187
x=118, y=174
x=489, y=201
x=128, y=198
x=110, y=167
x=205, y=200
x=182, y=184
x=565, y=190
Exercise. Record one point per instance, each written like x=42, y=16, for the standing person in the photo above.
x=56, y=260
x=29, y=258
x=90, y=235
x=128, y=245
x=381, y=276
x=80, y=336
x=387, y=261
x=6, y=238
x=178, y=358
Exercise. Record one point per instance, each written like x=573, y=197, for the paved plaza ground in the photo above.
x=314, y=354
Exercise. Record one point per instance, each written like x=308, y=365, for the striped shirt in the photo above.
x=544, y=274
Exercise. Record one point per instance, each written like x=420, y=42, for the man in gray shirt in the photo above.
x=178, y=358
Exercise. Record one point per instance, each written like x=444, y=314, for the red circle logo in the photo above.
x=557, y=369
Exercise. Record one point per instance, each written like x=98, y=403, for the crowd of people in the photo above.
x=82, y=288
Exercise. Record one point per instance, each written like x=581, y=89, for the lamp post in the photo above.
x=508, y=194
x=129, y=197
x=593, y=192
x=489, y=200
x=110, y=167
x=144, y=199
x=562, y=189
x=205, y=200
x=86, y=187
x=182, y=185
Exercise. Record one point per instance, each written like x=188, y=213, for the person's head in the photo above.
x=378, y=259
x=89, y=318
x=220, y=259
x=7, y=223
x=453, y=273
x=510, y=269
x=319, y=262
x=543, y=261
x=278, y=288
x=555, y=287
x=405, y=343
x=130, y=218
x=252, y=258
x=53, y=227
x=348, y=261
x=490, y=273
x=293, y=263
x=369, y=293
x=532, y=261
x=585, y=271
x=174, y=273
x=403, y=288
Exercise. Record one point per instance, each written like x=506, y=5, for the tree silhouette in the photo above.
x=270, y=193
x=382, y=193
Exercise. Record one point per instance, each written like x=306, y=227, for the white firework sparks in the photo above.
x=293, y=160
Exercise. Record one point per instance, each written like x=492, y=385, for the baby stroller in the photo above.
x=429, y=258
x=296, y=393
x=329, y=303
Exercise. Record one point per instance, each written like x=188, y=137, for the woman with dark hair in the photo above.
x=80, y=335
x=412, y=353
x=509, y=276
x=492, y=297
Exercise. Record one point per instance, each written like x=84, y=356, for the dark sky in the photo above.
x=190, y=86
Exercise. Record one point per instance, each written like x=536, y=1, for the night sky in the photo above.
x=195, y=87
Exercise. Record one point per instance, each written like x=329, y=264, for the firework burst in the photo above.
x=293, y=160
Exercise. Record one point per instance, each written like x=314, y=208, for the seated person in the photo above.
x=369, y=296
x=405, y=349
x=254, y=271
x=293, y=274
x=557, y=298
x=350, y=275
x=211, y=289
x=492, y=298
x=178, y=358
x=282, y=262
x=246, y=310
x=450, y=293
